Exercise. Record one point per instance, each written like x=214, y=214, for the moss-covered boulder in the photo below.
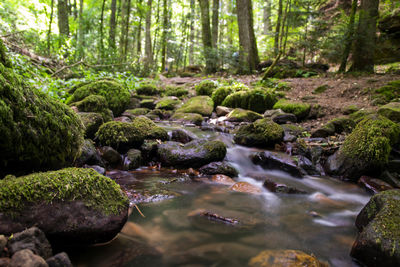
x=391, y=111
x=366, y=150
x=133, y=159
x=301, y=110
x=337, y=125
x=285, y=258
x=206, y=87
x=361, y=114
x=168, y=103
x=191, y=155
x=261, y=133
x=148, y=103
x=387, y=93
x=92, y=122
x=37, y=132
x=378, y=241
x=150, y=129
x=147, y=89
x=219, y=95
x=257, y=100
x=202, y=105
x=116, y=95
x=131, y=113
x=220, y=167
x=242, y=115
x=71, y=206
x=192, y=118
x=92, y=103
x=175, y=91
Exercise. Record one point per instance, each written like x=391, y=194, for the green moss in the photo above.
x=92, y=103
x=257, y=100
x=370, y=142
x=147, y=89
x=206, y=87
x=301, y=110
x=341, y=124
x=361, y=114
x=240, y=115
x=188, y=118
x=3, y=56
x=202, y=105
x=37, y=132
x=150, y=129
x=71, y=184
x=350, y=109
x=175, y=91
x=294, y=129
x=168, y=103
x=92, y=121
x=117, y=96
x=263, y=132
x=320, y=89
x=137, y=111
x=391, y=111
x=219, y=95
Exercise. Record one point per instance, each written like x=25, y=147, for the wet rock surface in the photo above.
x=277, y=161
x=220, y=167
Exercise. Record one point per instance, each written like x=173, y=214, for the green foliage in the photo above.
x=206, y=87
x=257, y=100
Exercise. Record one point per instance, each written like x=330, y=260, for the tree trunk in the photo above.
x=49, y=30
x=248, y=46
x=164, y=35
x=267, y=17
x=215, y=23
x=148, y=50
x=366, y=36
x=80, y=31
x=139, y=29
x=123, y=31
x=278, y=27
x=63, y=23
x=101, y=30
x=348, y=37
x=206, y=35
x=191, y=47
x=113, y=23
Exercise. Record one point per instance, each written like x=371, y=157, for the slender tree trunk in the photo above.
x=164, y=35
x=127, y=28
x=139, y=30
x=283, y=22
x=191, y=47
x=49, y=30
x=286, y=30
x=348, y=37
x=123, y=28
x=305, y=38
x=206, y=35
x=248, y=46
x=148, y=49
x=75, y=12
x=267, y=17
x=278, y=27
x=215, y=23
x=80, y=30
x=63, y=23
x=101, y=30
x=366, y=36
x=113, y=23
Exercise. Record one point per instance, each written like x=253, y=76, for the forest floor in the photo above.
x=342, y=91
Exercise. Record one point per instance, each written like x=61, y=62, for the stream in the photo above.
x=320, y=222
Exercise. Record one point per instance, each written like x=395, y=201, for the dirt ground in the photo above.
x=342, y=91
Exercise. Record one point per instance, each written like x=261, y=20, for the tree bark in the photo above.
x=148, y=49
x=49, y=30
x=267, y=17
x=348, y=37
x=366, y=37
x=206, y=35
x=191, y=47
x=102, y=29
x=164, y=35
x=247, y=40
x=215, y=23
x=63, y=23
x=111, y=38
x=80, y=31
x=278, y=27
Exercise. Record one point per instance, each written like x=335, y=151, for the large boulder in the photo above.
x=391, y=111
x=277, y=161
x=378, y=241
x=71, y=206
x=193, y=154
x=261, y=133
x=257, y=100
x=202, y=105
x=36, y=131
x=366, y=150
x=116, y=95
x=219, y=95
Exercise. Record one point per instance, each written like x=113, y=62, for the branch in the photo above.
x=268, y=71
x=67, y=67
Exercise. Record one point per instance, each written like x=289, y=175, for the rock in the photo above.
x=273, y=112
x=149, y=150
x=59, y=260
x=193, y=154
x=132, y=113
x=182, y=136
x=276, y=161
x=92, y=121
x=261, y=133
x=221, y=167
x=245, y=187
x=299, y=109
x=222, y=179
x=219, y=95
x=168, y=103
x=5, y=262
x=133, y=159
x=391, y=111
x=97, y=168
x=257, y=100
x=281, y=188
x=366, y=149
x=123, y=119
x=242, y=115
x=202, y=105
x=324, y=131
x=350, y=109
x=71, y=206
x=37, y=131
x=373, y=185
x=285, y=258
x=26, y=258
x=134, y=102
x=377, y=243
x=147, y=89
x=32, y=239
x=391, y=178
x=147, y=104
x=206, y=87
x=222, y=111
x=284, y=118
x=3, y=243
x=110, y=155
x=89, y=155
x=307, y=165
x=193, y=118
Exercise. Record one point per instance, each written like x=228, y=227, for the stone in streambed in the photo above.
x=276, y=161
x=89, y=155
x=26, y=258
x=182, y=136
x=374, y=185
x=281, y=188
x=32, y=239
x=242, y=115
x=220, y=167
x=245, y=187
x=133, y=159
x=59, y=260
x=285, y=258
x=222, y=179
x=110, y=155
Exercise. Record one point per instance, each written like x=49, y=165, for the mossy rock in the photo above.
x=320, y=89
x=350, y=109
x=131, y=113
x=257, y=100
x=194, y=154
x=133, y=159
x=388, y=92
x=206, y=87
x=147, y=90
x=361, y=114
x=301, y=110
x=148, y=103
x=261, y=133
x=175, y=91
x=117, y=96
x=202, y=105
x=73, y=205
x=37, y=132
x=4, y=60
x=92, y=122
x=378, y=243
x=242, y=115
x=219, y=95
x=337, y=125
x=92, y=103
x=391, y=111
x=193, y=118
x=168, y=103
x=150, y=129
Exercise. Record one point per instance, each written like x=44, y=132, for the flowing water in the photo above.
x=320, y=222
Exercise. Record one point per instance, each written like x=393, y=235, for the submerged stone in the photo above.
x=285, y=258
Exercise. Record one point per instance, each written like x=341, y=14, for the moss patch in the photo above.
x=219, y=95
x=136, y=112
x=391, y=111
x=71, y=184
x=188, y=118
x=175, y=91
x=240, y=115
x=301, y=110
x=168, y=103
x=263, y=133
x=202, y=105
x=320, y=89
x=257, y=100
x=147, y=89
x=120, y=135
x=206, y=87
